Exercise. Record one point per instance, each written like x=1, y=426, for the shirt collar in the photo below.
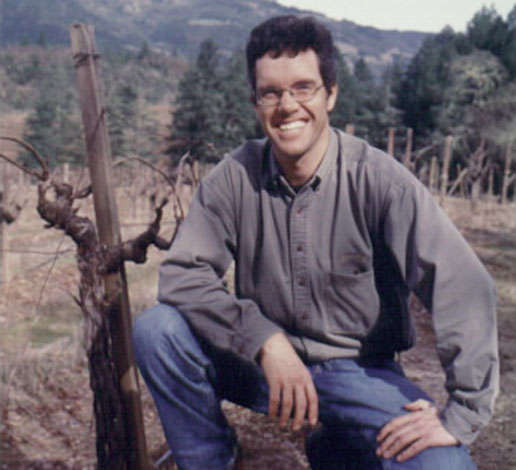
x=274, y=176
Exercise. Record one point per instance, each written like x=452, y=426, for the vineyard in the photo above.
x=47, y=419
x=46, y=403
x=67, y=277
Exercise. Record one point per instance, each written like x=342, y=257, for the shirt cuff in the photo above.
x=249, y=339
x=461, y=422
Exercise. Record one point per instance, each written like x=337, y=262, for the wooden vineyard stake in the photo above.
x=390, y=141
x=407, y=159
x=108, y=227
x=506, y=172
x=446, y=167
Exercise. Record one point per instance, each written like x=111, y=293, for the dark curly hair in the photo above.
x=292, y=34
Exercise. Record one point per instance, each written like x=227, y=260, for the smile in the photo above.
x=292, y=125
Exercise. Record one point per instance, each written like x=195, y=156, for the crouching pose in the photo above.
x=329, y=236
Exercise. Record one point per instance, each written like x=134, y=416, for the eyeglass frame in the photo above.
x=278, y=93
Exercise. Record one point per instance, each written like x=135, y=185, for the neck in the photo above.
x=299, y=169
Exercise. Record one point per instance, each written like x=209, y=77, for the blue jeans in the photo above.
x=188, y=378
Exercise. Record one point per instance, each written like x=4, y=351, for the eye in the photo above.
x=303, y=89
x=268, y=93
x=303, y=86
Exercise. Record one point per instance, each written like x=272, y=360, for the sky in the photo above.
x=418, y=15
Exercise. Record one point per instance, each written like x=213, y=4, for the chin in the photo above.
x=291, y=150
x=288, y=153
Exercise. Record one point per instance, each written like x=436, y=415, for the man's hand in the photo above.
x=291, y=389
x=406, y=436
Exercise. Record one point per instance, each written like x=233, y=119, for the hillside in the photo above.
x=179, y=26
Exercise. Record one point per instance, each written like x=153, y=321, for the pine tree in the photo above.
x=488, y=31
x=427, y=76
x=367, y=102
x=509, y=48
x=238, y=114
x=198, y=124
x=122, y=119
x=346, y=105
x=54, y=125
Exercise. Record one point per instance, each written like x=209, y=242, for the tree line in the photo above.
x=39, y=81
x=460, y=84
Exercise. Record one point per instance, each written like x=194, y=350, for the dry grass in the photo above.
x=45, y=403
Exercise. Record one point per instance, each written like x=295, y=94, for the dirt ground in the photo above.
x=46, y=419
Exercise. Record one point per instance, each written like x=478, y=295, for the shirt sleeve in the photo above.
x=444, y=272
x=190, y=276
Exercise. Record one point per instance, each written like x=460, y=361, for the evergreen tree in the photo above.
x=54, y=128
x=488, y=31
x=122, y=119
x=238, y=114
x=198, y=123
x=427, y=76
x=369, y=102
x=346, y=105
x=509, y=49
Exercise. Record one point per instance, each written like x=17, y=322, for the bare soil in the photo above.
x=46, y=419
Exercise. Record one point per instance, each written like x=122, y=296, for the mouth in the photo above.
x=291, y=126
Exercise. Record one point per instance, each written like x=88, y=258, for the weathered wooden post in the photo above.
x=433, y=174
x=66, y=172
x=446, y=167
x=490, y=185
x=100, y=166
x=506, y=172
x=461, y=182
x=390, y=141
x=350, y=129
x=408, y=148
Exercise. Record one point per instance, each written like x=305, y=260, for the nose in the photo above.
x=287, y=101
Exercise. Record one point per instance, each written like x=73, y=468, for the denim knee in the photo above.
x=443, y=458
x=153, y=325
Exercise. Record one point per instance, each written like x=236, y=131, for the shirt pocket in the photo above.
x=352, y=302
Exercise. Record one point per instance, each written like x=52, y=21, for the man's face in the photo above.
x=294, y=129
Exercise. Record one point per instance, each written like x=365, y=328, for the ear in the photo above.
x=332, y=97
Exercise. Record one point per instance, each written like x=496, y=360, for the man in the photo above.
x=329, y=236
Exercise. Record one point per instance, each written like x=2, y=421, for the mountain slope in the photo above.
x=179, y=26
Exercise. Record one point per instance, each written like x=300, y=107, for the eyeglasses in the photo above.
x=300, y=92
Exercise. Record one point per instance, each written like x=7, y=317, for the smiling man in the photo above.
x=329, y=236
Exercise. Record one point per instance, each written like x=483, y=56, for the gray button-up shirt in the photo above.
x=331, y=264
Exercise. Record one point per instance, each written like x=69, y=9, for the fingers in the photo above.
x=300, y=408
x=274, y=399
x=396, y=424
x=287, y=402
x=292, y=393
x=407, y=435
x=400, y=434
x=412, y=450
x=313, y=404
x=420, y=404
x=298, y=402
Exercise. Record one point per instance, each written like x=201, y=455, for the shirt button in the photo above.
x=474, y=428
x=304, y=316
x=299, y=247
x=301, y=282
x=299, y=210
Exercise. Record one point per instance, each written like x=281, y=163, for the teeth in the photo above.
x=291, y=125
